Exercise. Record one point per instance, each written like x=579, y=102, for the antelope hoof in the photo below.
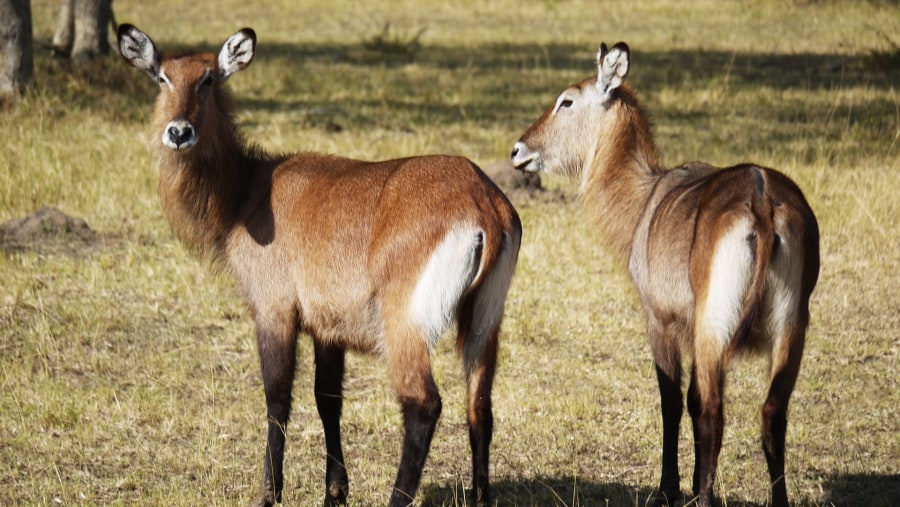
x=336, y=494
x=482, y=497
x=265, y=498
x=664, y=498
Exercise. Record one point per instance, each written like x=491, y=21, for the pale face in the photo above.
x=565, y=139
x=185, y=86
x=562, y=140
x=185, y=83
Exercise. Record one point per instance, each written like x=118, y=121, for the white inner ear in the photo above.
x=139, y=50
x=613, y=70
x=236, y=54
x=148, y=56
x=620, y=65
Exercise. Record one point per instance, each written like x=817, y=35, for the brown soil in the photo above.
x=521, y=187
x=49, y=230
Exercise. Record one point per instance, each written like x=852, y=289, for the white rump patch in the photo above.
x=447, y=276
x=730, y=274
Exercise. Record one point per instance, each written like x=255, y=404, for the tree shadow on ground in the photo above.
x=510, y=84
x=652, y=71
x=874, y=490
x=543, y=491
x=793, y=70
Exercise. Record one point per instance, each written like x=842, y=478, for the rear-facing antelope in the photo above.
x=724, y=260
x=376, y=257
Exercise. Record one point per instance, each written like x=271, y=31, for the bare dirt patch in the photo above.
x=49, y=230
x=521, y=187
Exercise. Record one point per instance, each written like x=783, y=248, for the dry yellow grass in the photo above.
x=129, y=374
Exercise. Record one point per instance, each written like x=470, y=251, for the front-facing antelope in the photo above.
x=376, y=257
x=725, y=260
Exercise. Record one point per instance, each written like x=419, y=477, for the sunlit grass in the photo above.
x=129, y=373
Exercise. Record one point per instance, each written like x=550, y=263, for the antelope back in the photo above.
x=564, y=139
x=191, y=105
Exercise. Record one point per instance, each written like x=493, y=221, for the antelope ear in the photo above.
x=601, y=53
x=237, y=53
x=138, y=50
x=612, y=66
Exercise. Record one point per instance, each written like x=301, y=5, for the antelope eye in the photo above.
x=565, y=103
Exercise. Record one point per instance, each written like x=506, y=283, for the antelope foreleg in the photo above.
x=329, y=402
x=277, y=355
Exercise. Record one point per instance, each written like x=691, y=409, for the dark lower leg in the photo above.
x=480, y=441
x=277, y=359
x=273, y=477
x=773, y=437
x=671, y=403
x=419, y=421
x=410, y=364
x=329, y=402
x=774, y=428
x=786, y=358
x=481, y=422
x=693, y=404
x=709, y=424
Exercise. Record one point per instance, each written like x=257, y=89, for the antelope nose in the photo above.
x=179, y=135
x=523, y=158
x=520, y=149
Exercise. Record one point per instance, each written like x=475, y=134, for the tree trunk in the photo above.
x=65, y=29
x=82, y=28
x=16, y=53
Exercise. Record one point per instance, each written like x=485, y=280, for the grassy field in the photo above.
x=128, y=373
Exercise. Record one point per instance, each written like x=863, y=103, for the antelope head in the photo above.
x=190, y=97
x=565, y=138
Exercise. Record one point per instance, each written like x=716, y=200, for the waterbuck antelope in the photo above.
x=377, y=257
x=724, y=260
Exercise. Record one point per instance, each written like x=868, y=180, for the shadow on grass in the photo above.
x=874, y=490
x=803, y=70
x=544, y=491
x=652, y=70
x=511, y=84
x=871, y=490
x=347, y=86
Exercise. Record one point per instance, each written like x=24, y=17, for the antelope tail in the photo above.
x=763, y=241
